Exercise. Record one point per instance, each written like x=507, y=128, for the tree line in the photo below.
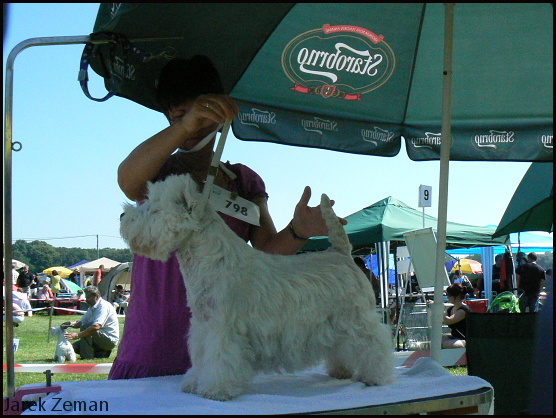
x=39, y=255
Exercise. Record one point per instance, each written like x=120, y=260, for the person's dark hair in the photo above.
x=532, y=256
x=520, y=256
x=182, y=80
x=456, y=290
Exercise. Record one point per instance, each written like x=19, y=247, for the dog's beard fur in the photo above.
x=254, y=311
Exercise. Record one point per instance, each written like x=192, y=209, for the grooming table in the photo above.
x=425, y=387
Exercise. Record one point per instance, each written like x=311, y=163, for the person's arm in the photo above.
x=145, y=161
x=190, y=124
x=456, y=317
x=70, y=324
x=85, y=333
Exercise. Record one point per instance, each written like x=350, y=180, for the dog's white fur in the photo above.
x=254, y=311
x=64, y=349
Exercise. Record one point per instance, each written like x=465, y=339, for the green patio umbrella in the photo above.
x=73, y=288
x=388, y=219
x=475, y=85
x=351, y=77
x=532, y=205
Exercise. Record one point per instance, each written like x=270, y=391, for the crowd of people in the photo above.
x=98, y=328
x=31, y=290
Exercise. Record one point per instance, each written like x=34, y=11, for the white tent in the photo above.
x=91, y=266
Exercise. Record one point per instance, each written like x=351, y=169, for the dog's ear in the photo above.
x=191, y=191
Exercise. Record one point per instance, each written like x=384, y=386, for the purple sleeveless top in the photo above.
x=157, y=319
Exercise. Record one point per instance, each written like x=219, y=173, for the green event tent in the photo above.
x=388, y=219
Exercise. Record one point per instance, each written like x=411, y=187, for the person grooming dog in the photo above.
x=99, y=327
x=191, y=95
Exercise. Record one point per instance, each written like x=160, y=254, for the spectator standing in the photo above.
x=97, y=277
x=74, y=276
x=55, y=282
x=530, y=278
x=25, y=279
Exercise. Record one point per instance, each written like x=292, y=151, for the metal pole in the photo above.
x=8, y=109
x=7, y=214
x=446, y=143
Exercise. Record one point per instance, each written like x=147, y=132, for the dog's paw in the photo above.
x=219, y=394
x=189, y=383
x=376, y=380
x=340, y=373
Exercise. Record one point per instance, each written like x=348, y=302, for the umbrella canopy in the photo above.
x=73, y=288
x=532, y=205
x=62, y=271
x=18, y=264
x=388, y=219
x=352, y=77
x=467, y=266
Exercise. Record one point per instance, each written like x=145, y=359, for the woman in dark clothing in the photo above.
x=454, y=317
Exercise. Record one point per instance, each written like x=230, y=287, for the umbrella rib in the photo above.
x=407, y=96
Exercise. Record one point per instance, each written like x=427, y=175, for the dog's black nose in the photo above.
x=122, y=215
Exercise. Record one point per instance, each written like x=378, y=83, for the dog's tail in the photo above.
x=336, y=232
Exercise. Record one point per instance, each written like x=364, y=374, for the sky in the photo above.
x=64, y=187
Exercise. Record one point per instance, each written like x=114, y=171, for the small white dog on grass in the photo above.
x=254, y=311
x=64, y=349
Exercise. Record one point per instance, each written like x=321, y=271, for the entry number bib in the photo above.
x=235, y=206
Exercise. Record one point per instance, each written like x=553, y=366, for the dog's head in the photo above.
x=57, y=331
x=157, y=227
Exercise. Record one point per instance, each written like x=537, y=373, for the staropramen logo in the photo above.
x=340, y=61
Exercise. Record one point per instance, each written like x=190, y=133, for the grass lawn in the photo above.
x=35, y=348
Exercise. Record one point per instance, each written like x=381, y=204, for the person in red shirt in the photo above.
x=97, y=277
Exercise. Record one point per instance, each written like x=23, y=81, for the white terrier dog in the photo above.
x=64, y=349
x=254, y=311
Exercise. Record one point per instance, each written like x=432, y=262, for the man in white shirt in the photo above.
x=100, y=331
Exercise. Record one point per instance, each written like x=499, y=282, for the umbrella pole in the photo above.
x=446, y=140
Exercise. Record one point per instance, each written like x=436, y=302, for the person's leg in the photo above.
x=102, y=345
x=523, y=303
x=84, y=346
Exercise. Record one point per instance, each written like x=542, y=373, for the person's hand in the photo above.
x=308, y=221
x=71, y=336
x=66, y=325
x=201, y=116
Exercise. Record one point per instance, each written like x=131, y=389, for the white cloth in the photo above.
x=308, y=391
x=104, y=314
x=22, y=300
